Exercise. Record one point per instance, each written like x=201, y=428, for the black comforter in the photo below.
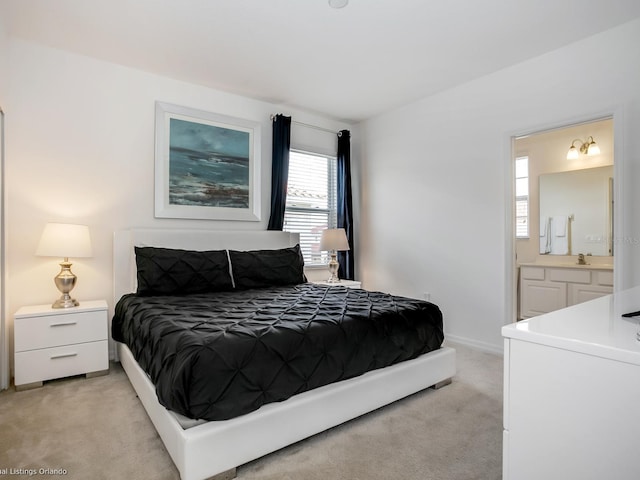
x=216, y=356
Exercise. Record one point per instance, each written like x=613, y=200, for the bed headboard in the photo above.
x=124, y=261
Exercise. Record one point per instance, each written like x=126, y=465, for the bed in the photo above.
x=213, y=441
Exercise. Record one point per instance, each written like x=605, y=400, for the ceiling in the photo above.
x=349, y=64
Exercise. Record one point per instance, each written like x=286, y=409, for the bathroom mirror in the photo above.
x=585, y=197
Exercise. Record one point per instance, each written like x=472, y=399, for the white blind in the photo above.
x=522, y=218
x=522, y=196
x=311, y=201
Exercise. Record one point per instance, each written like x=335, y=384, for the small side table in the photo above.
x=60, y=342
x=341, y=283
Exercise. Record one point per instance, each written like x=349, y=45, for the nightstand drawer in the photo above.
x=47, y=363
x=61, y=329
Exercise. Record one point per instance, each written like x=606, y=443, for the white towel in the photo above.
x=545, y=237
x=559, y=237
x=560, y=225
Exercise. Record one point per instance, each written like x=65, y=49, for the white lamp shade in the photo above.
x=572, y=154
x=64, y=240
x=593, y=149
x=334, y=239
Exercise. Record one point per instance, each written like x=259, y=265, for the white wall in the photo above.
x=4, y=54
x=436, y=207
x=432, y=188
x=81, y=150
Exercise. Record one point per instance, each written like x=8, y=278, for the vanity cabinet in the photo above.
x=545, y=289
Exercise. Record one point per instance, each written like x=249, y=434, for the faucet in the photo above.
x=581, y=259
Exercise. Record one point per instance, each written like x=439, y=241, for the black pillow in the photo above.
x=266, y=268
x=166, y=271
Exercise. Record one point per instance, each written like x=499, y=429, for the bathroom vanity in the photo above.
x=546, y=287
x=571, y=392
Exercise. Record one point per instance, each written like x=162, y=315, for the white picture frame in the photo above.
x=207, y=165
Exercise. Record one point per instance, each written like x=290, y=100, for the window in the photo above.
x=311, y=201
x=522, y=197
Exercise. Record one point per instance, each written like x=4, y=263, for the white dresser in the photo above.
x=572, y=393
x=53, y=343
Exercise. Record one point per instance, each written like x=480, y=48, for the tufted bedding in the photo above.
x=215, y=356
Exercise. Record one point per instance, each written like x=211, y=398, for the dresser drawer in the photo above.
x=36, y=332
x=48, y=363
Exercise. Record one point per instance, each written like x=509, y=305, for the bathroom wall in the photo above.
x=547, y=152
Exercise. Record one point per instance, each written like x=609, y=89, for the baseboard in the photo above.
x=476, y=344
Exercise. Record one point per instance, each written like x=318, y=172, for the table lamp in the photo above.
x=334, y=240
x=65, y=240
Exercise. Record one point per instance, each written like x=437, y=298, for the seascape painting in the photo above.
x=207, y=165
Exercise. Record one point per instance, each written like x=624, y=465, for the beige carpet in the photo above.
x=97, y=429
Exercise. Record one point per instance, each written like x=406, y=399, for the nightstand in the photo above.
x=60, y=342
x=341, y=283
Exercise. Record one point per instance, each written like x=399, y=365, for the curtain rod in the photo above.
x=272, y=116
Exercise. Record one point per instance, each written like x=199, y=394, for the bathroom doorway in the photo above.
x=564, y=216
x=4, y=339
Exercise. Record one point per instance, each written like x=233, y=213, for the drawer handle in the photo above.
x=63, y=355
x=62, y=324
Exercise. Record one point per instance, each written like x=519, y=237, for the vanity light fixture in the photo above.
x=590, y=147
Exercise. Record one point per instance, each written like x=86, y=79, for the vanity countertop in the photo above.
x=588, y=266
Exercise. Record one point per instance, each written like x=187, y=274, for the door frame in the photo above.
x=5, y=372
x=620, y=248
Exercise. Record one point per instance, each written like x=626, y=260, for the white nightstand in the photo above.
x=341, y=283
x=54, y=343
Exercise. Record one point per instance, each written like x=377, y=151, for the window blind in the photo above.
x=311, y=201
x=522, y=196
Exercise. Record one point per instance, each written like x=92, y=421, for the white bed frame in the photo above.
x=217, y=448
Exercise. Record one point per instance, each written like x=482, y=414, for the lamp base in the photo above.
x=65, y=301
x=65, y=281
x=333, y=268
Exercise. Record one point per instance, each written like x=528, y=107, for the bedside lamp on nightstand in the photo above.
x=334, y=240
x=65, y=240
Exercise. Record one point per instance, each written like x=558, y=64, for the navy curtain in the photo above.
x=279, y=170
x=345, y=205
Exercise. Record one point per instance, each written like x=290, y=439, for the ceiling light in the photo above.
x=590, y=147
x=338, y=3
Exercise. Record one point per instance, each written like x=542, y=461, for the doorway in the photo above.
x=4, y=339
x=565, y=215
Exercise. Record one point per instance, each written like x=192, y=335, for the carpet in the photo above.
x=96, y=428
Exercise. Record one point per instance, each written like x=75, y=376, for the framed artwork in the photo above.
x=207, y=166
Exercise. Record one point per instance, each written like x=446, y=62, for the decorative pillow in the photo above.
x=267, y=268
x=166, y=271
